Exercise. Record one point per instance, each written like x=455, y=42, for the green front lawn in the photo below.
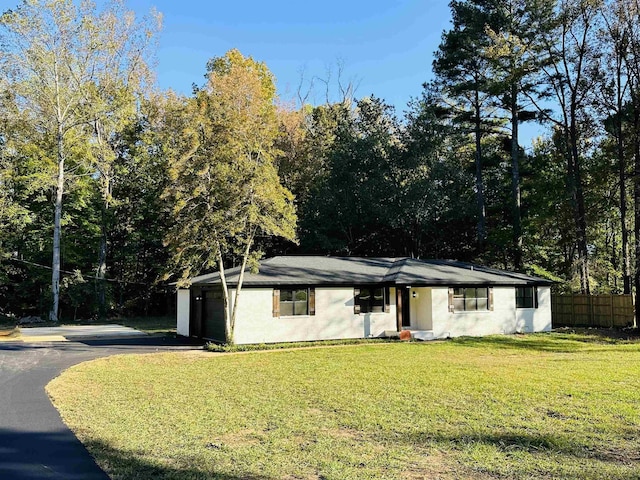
x=538, y=406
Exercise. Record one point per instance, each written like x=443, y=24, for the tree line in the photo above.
x=110, y=188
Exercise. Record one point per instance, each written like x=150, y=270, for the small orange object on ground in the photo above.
x=405, y=335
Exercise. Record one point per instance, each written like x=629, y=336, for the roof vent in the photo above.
x=472, y=268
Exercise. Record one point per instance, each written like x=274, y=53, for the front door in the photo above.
x=406, y=310
x=403, y=311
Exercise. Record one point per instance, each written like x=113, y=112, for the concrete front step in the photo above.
x=417, y=334
x=422, y=334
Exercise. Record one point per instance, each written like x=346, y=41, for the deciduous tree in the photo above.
x=569, y=81
x=57, y=56
x=224, y=188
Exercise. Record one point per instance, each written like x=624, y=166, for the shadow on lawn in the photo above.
x=545, y=343
x=559, y=342
x=125, y=465
x=59, y=455
x=559, y=444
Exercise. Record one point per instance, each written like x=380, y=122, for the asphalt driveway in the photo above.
x=34, y=443
x=78, y=332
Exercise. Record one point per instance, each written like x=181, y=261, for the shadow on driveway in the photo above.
x=52, y=455
x=149, y=341
x=34, y=442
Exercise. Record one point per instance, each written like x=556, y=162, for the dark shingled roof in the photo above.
x=317, y=270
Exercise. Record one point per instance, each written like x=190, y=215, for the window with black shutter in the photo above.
x=296, y=301
x=369, y=300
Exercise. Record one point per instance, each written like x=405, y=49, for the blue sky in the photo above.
x=386, y=47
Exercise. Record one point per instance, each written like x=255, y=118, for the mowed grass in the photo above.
x=536, y=406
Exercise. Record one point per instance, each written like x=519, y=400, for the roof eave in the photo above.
x=417, y=283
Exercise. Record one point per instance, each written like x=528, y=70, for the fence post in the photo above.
x=613, y=323
x=573, y=313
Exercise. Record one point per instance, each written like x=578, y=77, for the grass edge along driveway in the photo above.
x=535, y=406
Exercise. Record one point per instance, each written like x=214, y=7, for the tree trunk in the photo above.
x=636, y=202
x=105, y=181
x=579, y=212
x=614, y=253
x=626, y=255
x=57, y=231
x=245, y=257
x=515, y=180
x=228, y=331
x=481, y=227
x=102, y=270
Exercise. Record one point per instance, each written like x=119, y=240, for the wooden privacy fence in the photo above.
x=592, y=311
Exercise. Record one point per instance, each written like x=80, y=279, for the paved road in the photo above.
x=34, y=443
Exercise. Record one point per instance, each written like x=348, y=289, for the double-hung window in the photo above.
x=526, y=297
x=370, y=300
x=293, y=301
x=469, y=299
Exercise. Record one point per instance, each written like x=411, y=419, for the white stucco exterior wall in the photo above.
x=182, y=306
x=334, y=318
x=536, y=319
x=421, y=313
x=504, y=318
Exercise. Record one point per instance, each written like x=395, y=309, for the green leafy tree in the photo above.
x=350, y=208
x=613, y=104
x=56, y=57
x=224, y=188
x=465, y=78
x=137, y=257
x=514, y=56
x=434, y=205
x=296, y=167
x=628, y=12
x=314, y=168
x=14, y=133
x=550, y=236
x=570, y=82
x=122, y=78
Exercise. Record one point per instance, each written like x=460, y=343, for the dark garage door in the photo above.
x=213, y=315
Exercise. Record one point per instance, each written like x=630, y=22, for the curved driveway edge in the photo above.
x=34, y=442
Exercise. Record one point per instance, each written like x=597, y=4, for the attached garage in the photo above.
x=206, y=313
